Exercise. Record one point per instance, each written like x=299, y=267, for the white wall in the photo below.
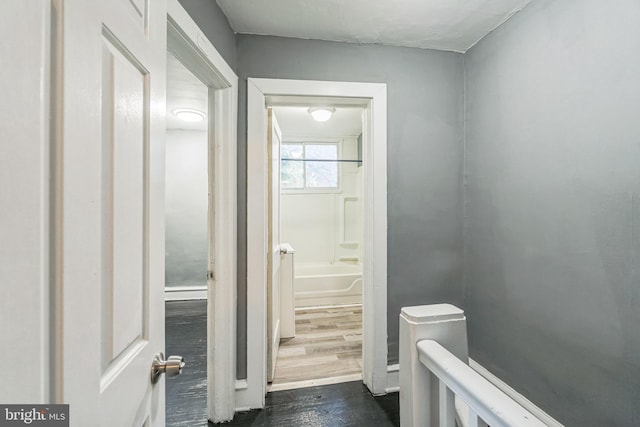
x=186, y=208
x=310, y=222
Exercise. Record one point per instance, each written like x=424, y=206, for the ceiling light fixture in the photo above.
x=321, y=114
x=189, y=115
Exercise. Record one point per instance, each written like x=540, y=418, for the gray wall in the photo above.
x=552, y=218
x=214, y=24
x=425, y=105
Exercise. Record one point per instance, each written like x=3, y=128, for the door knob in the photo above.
x=172, y=366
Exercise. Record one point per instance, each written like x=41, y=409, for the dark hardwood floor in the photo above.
x=338, y=405
x=346, y=404
x=186, y=335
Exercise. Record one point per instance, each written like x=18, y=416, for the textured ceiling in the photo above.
x=453, y=25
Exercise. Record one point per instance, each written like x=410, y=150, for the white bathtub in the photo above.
x=327, y=284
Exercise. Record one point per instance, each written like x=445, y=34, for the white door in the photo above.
x=109, y=197
x=274, y=138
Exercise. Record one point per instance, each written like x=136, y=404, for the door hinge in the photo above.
x=211, y=275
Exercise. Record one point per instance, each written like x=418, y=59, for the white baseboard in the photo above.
x=393, y=379
x=509, y=391
x=184, y=293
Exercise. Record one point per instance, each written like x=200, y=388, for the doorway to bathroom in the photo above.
x=318, y=200
x=372, y=98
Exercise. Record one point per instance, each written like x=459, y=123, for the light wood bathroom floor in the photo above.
x=328, y=343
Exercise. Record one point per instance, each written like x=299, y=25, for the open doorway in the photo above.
x=200, y=228
x=186, y=184
x=186, y=239
x=321, y=227
x=371, y=97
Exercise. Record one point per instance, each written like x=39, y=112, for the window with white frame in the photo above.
x=309, y=166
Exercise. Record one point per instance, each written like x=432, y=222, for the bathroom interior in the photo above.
x=321, y=227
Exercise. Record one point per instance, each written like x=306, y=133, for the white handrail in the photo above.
x=487, y=401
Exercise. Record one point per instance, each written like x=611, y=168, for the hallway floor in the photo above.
x=338, y=405
x=186, y=335
x=328, y=343
x=346, y=404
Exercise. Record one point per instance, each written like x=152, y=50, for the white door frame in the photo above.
x=25, y=323
x=373, y=98
x=187, y=42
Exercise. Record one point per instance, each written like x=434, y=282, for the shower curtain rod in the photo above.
x=323, y=160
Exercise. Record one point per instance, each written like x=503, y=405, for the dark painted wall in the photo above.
x=425, y=104
x=214, y=24
x=552, y=218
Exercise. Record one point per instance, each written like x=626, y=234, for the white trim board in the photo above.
x=189, y=44
x=26, y=324
x=513, y=394
x=185, y=293
x=314, y=383
x=373, y=98
x=393, y=378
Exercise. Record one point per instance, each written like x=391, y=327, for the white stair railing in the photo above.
x=487, y=404
x=437, y=386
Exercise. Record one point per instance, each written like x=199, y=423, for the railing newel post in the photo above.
x=435, y=375
x=419, y=389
